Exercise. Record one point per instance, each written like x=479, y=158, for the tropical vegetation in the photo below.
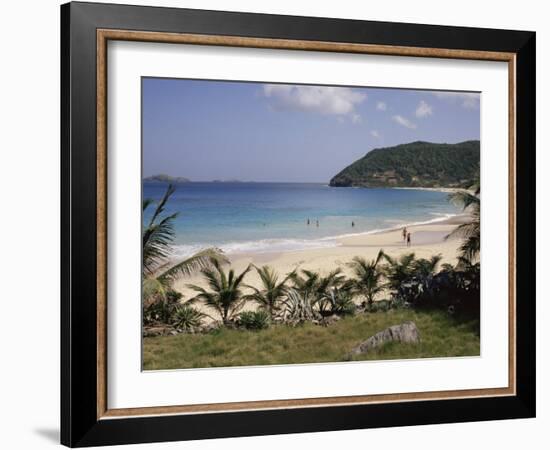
x=270, y=297
x=469, y=232
x=299, y=305
x=307, y=296
x=368, y=276
x=224, y=295
x=159, y=271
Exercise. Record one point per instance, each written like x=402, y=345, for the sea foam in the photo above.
x=260, y=246
x=289, y=245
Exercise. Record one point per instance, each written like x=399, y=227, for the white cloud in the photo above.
x=469, y=100
x=381, y=106
x=423, y=109
x=375, y=134
x=404, y=121
x=356, y=118
x=317, y=99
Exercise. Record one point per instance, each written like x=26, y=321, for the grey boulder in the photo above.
x=407, y=332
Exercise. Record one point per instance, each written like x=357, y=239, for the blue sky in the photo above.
x=206, y=130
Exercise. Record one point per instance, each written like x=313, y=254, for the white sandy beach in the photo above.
x=426, y=240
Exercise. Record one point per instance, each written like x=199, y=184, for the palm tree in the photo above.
x=158, y=235
x=225, y=295
x=187, y=318
x=314, y=286
x=299, y=307
x=271, y=296
x=469, y=231
x=368, y=277
x=398, y=270
x=305, y=282
x=339, y=300
x=326, y=285
x=470, y=274
x=424, y=268
x=327, y=293
x=423, y=277
x=411, y=279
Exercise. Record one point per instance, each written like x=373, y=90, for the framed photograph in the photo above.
x=276, y=224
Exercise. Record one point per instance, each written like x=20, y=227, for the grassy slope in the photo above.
x=440, y=336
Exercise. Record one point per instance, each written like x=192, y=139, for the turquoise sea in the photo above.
x=263, y=217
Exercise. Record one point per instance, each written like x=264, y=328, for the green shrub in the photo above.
x=254, y=320
x=342, y=302
x=379, y=306
x=161, y=309
x=299, y=307
x=173, y=296
x=186, y=318
x=158, y=312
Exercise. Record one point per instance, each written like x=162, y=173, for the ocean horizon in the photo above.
x=263, y=217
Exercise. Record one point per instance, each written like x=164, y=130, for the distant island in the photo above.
x=417, y=164
x=163, y=178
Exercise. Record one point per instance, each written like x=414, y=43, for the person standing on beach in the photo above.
x=404, y=233
x=308, y=220
x=352, y=224
x=408, y=239
x=317, y=223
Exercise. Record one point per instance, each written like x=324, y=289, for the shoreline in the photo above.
x=433, y=189
x=433, y=234
x=313, y=244
x=450, y=219
x=426, y=240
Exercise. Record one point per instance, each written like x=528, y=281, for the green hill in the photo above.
x=417, y=164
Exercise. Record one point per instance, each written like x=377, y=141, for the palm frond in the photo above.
x=435, y=260
x=464, y=199
x=426, y=267
x=240, y=277
x=153, y=290
x=270, y=297
x=201, y=260
x=146, y=203
x=379, y=257
x=368, y=276
x=470, y=231
x=157, y=239
x=470, y=248
x=224, y=294
x=162, y=203
x=390, y=260
x=465, y=230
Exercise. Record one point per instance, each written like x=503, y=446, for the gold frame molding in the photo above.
x=104, y=35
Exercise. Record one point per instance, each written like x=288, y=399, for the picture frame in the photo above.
x=86, y=418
